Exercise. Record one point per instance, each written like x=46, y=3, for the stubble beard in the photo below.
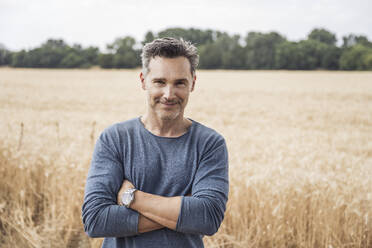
x=167, y=115
x=170, y=114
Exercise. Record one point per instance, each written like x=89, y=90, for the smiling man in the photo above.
x=158, y=180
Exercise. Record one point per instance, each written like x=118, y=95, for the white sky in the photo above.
x=28, y=23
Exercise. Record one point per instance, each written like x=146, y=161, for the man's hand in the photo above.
x=125, y=186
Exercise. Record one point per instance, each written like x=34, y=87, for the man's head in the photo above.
x=168, y=76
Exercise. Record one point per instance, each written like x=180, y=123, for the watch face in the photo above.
x=126, y=198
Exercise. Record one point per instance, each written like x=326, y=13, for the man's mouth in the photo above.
x=169, y=103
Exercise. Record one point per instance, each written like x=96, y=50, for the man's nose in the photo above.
x=169, y=92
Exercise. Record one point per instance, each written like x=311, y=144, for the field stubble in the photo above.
x=300, y=151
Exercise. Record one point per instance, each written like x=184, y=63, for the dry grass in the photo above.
x=300, y=148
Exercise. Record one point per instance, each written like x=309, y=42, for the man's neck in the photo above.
x=166, y=128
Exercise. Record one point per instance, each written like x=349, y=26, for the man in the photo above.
x=158, y=180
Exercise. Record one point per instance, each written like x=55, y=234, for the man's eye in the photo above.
x=181, y=83
x=159, y=82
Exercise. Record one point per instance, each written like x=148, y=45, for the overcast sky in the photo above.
x=28, y=23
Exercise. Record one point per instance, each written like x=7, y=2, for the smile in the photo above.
x=169, y=104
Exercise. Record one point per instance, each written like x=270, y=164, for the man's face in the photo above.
x=168, y=84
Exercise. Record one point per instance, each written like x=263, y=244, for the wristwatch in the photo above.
x=128, y=197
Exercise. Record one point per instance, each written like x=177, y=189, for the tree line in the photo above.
x=218, y=50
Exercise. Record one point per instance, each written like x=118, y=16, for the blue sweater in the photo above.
x=195, y=163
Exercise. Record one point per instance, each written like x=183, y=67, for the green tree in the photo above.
x=311, y=54
x=358, y=57
x=210, y=56
x=233, y=52
x=224, y=53
x=327, y=53
x=50, y=54
x=56, y=54
x=261, y=49
x=352, y=39
x=368, y=61
x=21, y=59
x=90, y=56
x=288, y=56
x=72, y=60
x=330, y=58
x=5, y=55
x=80, y=57
x=307, y=55
x=149, y=37
x=122, y=54
x=322, y=35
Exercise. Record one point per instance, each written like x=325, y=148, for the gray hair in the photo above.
x=169, y=48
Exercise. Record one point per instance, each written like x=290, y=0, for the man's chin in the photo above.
x=168, y=116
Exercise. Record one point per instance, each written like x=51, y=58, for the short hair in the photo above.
x=169, y=48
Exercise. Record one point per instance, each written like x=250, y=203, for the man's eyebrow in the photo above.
x=181, y=79
x=164, y=79
x=159, y=79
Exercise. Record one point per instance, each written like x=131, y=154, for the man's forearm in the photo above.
x=147, y=225
x=160, y=209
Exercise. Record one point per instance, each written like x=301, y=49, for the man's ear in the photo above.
x=193, y=82
x=143, y=84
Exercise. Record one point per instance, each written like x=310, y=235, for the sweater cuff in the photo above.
x=131, y=221
x=179, y=226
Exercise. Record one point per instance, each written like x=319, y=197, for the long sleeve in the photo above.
x=102, y=217
x=203, y=211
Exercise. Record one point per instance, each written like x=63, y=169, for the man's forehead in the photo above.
x=160, y=65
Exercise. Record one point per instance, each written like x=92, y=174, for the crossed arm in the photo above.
x=155, y=212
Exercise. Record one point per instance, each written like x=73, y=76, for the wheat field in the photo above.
x=300, y=152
